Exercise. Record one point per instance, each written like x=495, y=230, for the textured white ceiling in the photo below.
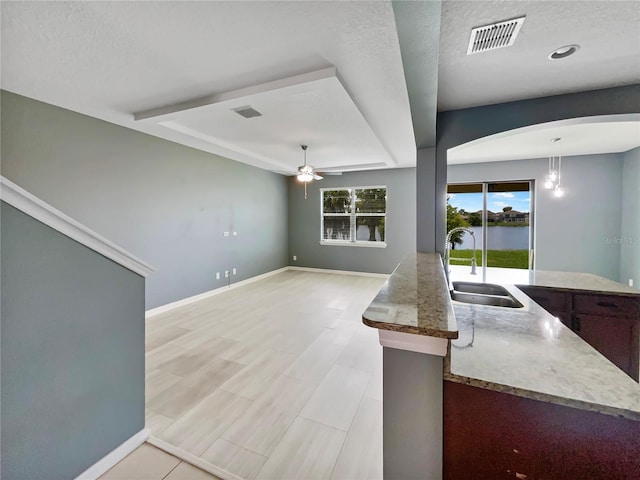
x=579, y=136
x=608, y=32
x=111, y=59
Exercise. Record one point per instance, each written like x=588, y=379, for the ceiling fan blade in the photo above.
x=316, y=176
x=330, y=173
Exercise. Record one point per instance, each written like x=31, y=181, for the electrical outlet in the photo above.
x=295, y=258
x=226, y=234
x=631, y=282
x=226, y=274
x=234, y=271
x=235, y=234
x=217, y=275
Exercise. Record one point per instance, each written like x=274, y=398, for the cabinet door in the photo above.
x=615, y=338
x=555, y=302
x=607, y=305
x=565, y=317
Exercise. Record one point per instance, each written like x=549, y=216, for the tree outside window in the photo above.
x=354, y=215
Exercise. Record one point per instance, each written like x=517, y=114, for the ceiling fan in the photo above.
x=306, y=173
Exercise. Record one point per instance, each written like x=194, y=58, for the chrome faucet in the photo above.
x=448, y=243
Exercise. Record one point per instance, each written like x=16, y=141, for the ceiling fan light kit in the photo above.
x=306, y=172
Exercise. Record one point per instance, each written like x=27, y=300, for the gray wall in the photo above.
x=427, y=204
x=630, y=231
x=400, y=227
x=461, y=126
x=165, y=203
x=72, y=352
x=571, y=234
x=412, y=415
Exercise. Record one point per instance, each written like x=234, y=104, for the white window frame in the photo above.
x=353, y=219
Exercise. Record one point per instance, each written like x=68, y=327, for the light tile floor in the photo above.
x=277, y=379
x=151, y=463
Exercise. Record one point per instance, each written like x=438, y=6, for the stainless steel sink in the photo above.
x=483, y=288
x=483, y=299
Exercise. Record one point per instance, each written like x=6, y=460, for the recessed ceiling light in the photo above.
x=563, y=52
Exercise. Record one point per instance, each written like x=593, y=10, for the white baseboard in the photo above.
x=339, y=272
x=101, y=466
x=192, y=459
x=210, y=293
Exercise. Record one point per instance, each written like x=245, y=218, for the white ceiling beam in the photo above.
x=169, y=112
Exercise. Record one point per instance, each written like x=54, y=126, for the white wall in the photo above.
x=630, y=229
x=573, y=233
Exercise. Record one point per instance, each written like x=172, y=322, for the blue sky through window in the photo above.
x=472, y=202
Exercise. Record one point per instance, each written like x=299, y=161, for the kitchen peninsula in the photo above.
x=522, y=393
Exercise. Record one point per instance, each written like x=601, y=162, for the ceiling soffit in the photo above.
x=312, y=109
x=579, y=136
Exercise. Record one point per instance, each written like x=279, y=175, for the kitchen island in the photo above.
x=604, y=313
x=415, y=321
x=529, y=352
x=522, y=392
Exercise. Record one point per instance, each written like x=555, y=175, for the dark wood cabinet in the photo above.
x=492, y=435
x=609, y=323
x=615, y=338
x=557, y=303
x=608, y=305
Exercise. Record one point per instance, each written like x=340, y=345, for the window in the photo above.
x=501, y=216
x=354, y=216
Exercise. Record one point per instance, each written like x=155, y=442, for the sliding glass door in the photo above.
x=500, y=215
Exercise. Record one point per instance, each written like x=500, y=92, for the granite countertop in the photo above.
x=528, y=352
x=587, y=282
x=524, y=351
x=415, y=299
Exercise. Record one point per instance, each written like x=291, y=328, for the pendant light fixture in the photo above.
x=553, y=180
x=558, y=191
x=552, y=175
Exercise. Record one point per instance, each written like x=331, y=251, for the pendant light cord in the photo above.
x=559, y=169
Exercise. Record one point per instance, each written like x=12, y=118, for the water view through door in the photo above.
x=500, y=215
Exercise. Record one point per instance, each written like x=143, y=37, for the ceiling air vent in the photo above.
x=496, y=35
x=247, y=112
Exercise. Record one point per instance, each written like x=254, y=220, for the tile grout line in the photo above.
x=169, y=472
x=193, y=460
x=349, y=429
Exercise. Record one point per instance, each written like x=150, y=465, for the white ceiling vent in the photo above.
x=496, y=35
x=247, y=112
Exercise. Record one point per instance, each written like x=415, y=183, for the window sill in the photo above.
x=339, y=243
